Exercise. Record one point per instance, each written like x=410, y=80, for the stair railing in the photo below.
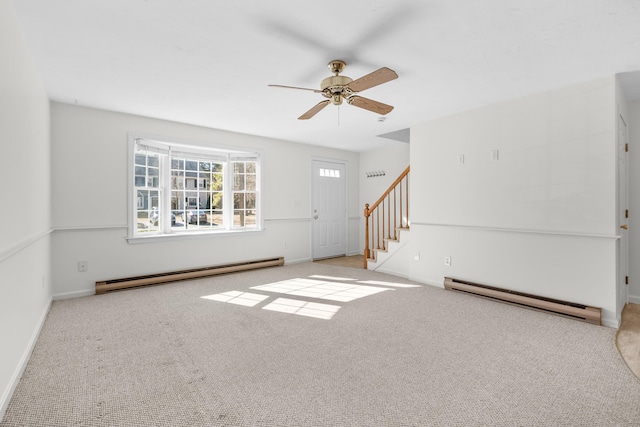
x=386, y=216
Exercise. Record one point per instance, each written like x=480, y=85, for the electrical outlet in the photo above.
x=447, y=261
x=83, y=266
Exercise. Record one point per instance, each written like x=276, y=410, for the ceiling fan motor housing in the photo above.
x=335, y=82
x=334, y=87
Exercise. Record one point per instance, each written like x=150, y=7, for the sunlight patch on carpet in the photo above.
x=343, y=292
x=303, y=308
x=236, y=297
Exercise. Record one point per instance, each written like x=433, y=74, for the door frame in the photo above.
x=622, y=289
x=345, y=163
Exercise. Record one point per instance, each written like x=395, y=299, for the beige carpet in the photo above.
x=352, y=261
x=311, y=344
x=628, y=337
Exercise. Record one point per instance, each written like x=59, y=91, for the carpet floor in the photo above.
x=312, y=344
x=353, y=261
x=628, y=337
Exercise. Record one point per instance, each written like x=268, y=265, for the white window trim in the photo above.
x=181, y=145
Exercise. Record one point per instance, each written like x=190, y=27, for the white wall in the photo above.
x=89, y=167
x=634, y=201
x=25, y=283
x=542, y=218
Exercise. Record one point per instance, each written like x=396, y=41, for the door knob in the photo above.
x=624, y=226
x=315, y=217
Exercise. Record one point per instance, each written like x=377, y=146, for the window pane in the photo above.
x=142, y=221
x=154, y=198
x=191, y=165
x=217, y=219
x=153, y=160
x=251, y=167
x=177, y=181
x=216, y=182
x=238, y=201
x=251, y=182
x=238, y=182
x=238, y=218
x=250, y=200
x=141, y=158
x=216, y=200
x=238, y=167
x=203, y=180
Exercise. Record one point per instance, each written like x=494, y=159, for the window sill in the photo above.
x=188, y=236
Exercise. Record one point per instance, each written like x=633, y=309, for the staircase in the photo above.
x=389, y=260
x=385, y=222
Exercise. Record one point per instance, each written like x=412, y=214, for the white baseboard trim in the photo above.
x=634, y=299
x=26, y=355
x=74, y=294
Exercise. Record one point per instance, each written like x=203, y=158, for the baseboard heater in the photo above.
x=172, y=276
x=562, y=308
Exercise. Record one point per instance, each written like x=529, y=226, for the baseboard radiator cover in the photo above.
x=562, y=308
x=173, y=276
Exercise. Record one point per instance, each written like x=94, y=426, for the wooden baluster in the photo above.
x=366, y=234
x=407, y=183
x=378, y=226
x=401, y=219
x=388, y=217
x=395, y=215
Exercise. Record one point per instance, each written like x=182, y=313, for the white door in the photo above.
x=329, y=211
x=623, y=220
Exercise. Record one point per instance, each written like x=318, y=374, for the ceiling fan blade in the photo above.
x=312, y=112
x=369, y=104
x=376, y=78
x=295, y=87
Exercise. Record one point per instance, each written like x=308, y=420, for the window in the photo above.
x=182, y=189
x=330, y=173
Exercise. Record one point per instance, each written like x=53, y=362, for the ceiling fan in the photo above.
x=338, y=88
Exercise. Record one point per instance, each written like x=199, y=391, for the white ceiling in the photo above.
x=208, y=62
